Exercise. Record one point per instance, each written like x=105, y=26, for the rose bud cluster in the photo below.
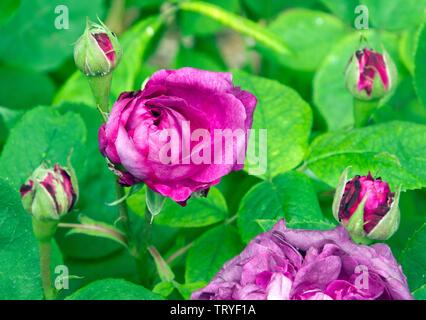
x=49, y=193
x=370, y=75
x=296, y=264
x=366, y=207
x=165, y=134
x=97, y=52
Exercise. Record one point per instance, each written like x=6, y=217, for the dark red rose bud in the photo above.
x=362, y=204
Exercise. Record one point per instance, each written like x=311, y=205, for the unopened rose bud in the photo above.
x=367, y=207
x=49, y=193
x=370, y=75
x=97, y=52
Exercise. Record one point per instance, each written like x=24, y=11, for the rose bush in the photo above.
x=308, y=265
x=133, y=136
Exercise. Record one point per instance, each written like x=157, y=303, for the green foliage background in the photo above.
x=290, y=54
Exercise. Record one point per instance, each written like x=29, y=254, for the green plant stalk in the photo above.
x=44, y=232
x=363, y=109
x=101, y=87
x=115, y=18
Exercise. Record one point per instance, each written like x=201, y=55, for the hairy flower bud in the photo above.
x=49, y=193
x=97, y=52
x=367, y=207
x=370, y=75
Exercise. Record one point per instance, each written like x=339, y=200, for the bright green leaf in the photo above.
x=310, y=34
x=396, y=151
x=287, y=120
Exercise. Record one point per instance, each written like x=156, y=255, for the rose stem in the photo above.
x=44, y=232
x=115, y=18
x=363, y=111
x=101, y=89
x=46, y=276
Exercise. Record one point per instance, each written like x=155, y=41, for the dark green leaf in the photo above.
x=290, y=196
x=210, y=252
x=113, y=289
x=413, y=259
x=42, y=134
x=37, y=43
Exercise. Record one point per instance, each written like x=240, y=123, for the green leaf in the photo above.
x=31, y=38
x=163, y=288
x=420, y=293
x=290, y=196
x=330, y=96
x=98, y=188
x=243, y=25
x=19, y=256
x=310, y=34
x=113, y=289
x=345, y=10
x=188, y=288
x=195, y=24
x=287, y=120
x=42, y=134
x=199, y=212
x=403, y=105
x=395, y=150
x=210, y=252
x=7, y=9
x=412, y=205
x=420, y=65
x=20, y=89
x=270, y=8
x=413, y=259
x=407, y=47
x=135, y=43
x=395, y=14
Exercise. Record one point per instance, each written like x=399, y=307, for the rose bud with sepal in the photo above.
x=97, y=52
x=49, y=193
x=366, y=207
x=370, y=75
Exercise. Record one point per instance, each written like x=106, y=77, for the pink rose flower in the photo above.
x=178, y=111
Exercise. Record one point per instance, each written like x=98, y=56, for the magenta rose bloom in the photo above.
x=165, y=135
x=296, y=264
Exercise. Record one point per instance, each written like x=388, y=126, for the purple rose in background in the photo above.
x=301, y=264
x=177, y=111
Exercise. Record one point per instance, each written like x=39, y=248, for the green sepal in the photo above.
x=355, y=225
x=340, y=190
x=388, y=225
